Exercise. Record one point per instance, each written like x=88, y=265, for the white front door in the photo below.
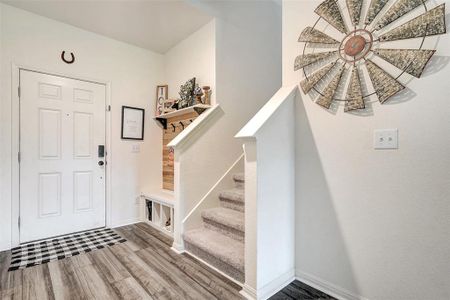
x=62, y=179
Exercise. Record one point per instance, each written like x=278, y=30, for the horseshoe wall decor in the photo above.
x=68, y=61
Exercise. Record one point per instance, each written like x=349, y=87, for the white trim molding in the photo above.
x=248, y=292
x=327, y=287
x=269, y=289
x=276, y=285
x=178, y=248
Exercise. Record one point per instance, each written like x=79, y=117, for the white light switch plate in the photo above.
x=385, y=139
x=136, y=148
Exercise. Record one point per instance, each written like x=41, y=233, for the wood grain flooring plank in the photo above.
x=146, y=276
x=65, y=282
x=154, y=233
x=91, y=280
x=108, y=265
x=10, y=282
x=34, y=285
x=136, y=242
x=130, y=289
x=182, y=284
x=296, y=293
x=281, y=296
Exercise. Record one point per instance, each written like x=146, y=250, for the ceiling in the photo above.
x=156, y=25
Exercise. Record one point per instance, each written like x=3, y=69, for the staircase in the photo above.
x=220, y=242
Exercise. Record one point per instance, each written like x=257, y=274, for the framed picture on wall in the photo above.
x=132, y=123
x=162, y=93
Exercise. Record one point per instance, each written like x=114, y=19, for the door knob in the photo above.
x=101, y=163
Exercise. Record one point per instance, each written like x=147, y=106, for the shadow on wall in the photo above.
x=321, y=252
x=436, y=64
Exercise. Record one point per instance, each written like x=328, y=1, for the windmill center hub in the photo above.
x=355, y=45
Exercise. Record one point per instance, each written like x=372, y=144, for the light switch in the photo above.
x=136, y=148
x=385, y=139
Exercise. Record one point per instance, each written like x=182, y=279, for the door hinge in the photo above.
x=18, y=91
x=18, y=157
x=18, y=222
x=108, y=108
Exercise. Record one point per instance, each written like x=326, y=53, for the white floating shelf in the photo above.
x=198, y=108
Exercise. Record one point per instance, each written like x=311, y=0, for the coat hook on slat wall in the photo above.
x=182, y=124
x=174, y=127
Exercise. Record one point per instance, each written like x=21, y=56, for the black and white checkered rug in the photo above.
x=42, y=252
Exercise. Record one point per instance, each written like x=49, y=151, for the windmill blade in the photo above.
x=307, y=59
x=326, y=99
x=385, y=85
x=374, y=9
x=311, y=35
x=308, y=83
x=411, y=61
x=330, y=12
x=399, y=9
x=429, y=23
x=354, y=93
x=354, y=8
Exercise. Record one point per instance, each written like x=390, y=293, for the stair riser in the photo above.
x=239, y=206
x=223, y=229
x=239, y=275
x=239, y=184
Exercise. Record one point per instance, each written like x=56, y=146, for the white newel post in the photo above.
x=178, y=245
x=250, y=285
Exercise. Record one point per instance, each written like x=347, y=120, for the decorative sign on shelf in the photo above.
x=361, y=40
x=162, y=93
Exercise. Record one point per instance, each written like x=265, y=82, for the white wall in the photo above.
x=192, y=57
x=248, y=60
x=36, y=42
x=373, y=223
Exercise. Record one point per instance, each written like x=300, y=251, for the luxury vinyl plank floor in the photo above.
x=144, y=267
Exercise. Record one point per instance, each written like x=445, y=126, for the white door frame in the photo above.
x=15, y=145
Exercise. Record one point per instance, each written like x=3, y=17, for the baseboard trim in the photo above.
x=248, y=292
x=214, y=268
x=276, y=285
x=124, y=223
x=5, y=246
x=177, y=248
x=326, y=287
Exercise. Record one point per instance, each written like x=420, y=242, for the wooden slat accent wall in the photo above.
x=168, y=136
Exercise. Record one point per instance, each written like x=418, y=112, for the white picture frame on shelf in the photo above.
x=162, y=93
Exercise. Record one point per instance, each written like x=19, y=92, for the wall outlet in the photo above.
x=136, y=148
x=385, y=139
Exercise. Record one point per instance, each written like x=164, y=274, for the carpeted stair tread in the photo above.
x=223, y=248
x=235, y=195
x=225, y=216
x=239, y=177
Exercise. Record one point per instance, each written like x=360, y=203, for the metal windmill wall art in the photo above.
x=361, y=40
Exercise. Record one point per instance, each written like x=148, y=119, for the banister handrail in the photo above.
x=265, y=113
x=194, y=127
